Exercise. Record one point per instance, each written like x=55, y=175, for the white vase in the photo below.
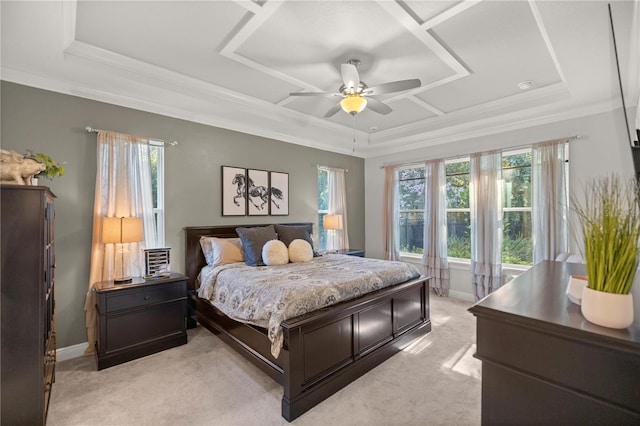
x=575, y=287
x=607, y=309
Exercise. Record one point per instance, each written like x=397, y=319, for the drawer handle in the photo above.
x=147, y=297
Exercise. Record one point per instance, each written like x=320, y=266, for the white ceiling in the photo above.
x=233, y=64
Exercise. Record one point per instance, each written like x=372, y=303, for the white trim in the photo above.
x=462, y=295
x=70, y=352
x=545, y=37
x=427, y=136
x=448, y=14
x=69, y=12
x=411, y=257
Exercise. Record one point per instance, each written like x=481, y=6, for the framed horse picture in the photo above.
x=257, y=192
x=279, y=193
x=234, y=191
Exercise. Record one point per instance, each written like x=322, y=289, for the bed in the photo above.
x=322, y=351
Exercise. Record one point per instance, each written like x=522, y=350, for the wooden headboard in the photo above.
x=194, y=258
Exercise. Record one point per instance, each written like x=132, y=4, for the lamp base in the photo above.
x=123, y=280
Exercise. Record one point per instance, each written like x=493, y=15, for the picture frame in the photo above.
x=234, y=191
x=257, y=192
x=278, y=194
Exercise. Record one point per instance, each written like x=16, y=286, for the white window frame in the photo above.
x=159, y=210
x=457, y=210
x=321, y=229
x=463, y=261
x=517, y=209
x=406, y=253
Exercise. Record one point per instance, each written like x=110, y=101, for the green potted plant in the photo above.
x=609, y=219
x=52, y=167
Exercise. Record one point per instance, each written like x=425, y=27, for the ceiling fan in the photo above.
x=356, y=95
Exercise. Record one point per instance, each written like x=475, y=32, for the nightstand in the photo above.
x=139, y=318
x=351, y=252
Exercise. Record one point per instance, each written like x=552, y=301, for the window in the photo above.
x=457, y=173
x=156, y=154
x=323, y=206
x=411, y=209
x=517, y=244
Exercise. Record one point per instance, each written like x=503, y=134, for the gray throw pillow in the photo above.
x=288, y=233
x=253, y=239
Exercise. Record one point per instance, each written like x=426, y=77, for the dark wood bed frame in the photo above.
x=324, y=350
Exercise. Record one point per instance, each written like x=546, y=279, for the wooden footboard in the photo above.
x=324, y=350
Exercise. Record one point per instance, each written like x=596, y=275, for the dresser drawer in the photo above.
x=140, y=297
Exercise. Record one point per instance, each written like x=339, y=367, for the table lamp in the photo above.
x=332, y=222
x=122, y=230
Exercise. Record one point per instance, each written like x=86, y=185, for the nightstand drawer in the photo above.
x=137, y=327
x=139, y=297
x=140, y=318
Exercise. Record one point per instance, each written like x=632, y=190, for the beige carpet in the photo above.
x=434, y=381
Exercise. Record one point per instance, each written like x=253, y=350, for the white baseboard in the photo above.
x=70, y=352
x=462, y=295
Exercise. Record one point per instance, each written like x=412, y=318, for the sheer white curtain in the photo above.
x=435, y=227
x=549, y=199
x=485, y=197
x=339, y=238
x=123, y=189
x=390, y=214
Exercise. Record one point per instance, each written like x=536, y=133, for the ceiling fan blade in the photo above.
x=377, y=106
x=333, y=111
x=350, y=76
x=314, y=94
x=394, y=86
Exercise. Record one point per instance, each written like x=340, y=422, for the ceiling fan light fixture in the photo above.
x=353, y=104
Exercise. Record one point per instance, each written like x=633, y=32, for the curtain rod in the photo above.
x=327, y=167
x=92, y=130
x=567, y=139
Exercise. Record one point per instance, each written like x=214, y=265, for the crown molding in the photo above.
x=453, y=133
x=511, y=122
x=318, y=141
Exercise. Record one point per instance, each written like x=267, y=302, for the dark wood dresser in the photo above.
x=27, y=304
x=543, y=363
x=140, y=318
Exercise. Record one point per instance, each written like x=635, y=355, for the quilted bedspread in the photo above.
x=267, y=295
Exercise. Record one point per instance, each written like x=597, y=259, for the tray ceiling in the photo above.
x=233, y=64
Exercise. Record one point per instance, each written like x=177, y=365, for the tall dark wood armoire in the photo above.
x=27, y=305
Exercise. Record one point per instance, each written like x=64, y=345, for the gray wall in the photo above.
x=54, y=123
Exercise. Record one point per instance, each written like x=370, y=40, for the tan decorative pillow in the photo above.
x=220, y=251
x=275, y=252
x=300, y=251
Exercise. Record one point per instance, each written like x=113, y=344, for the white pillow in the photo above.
x=220, y=251
x=300, y=251
x=274, y=252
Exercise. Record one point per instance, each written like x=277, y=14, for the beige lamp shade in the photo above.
x=121, y=230
x=332, y=221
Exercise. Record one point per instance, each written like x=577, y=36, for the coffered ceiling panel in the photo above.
x=233, y=64
x=314, y=38
x=508, y=48
x=184, y=37
x=427, y=10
